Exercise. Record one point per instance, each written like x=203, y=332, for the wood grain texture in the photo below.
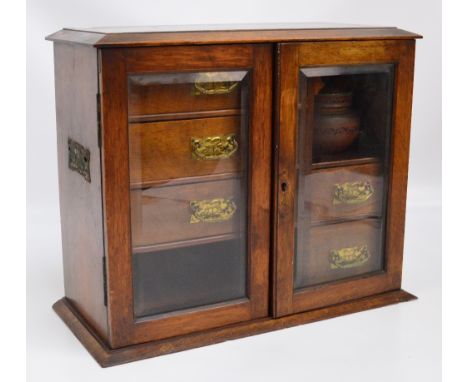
x=399, y=159
x=116, y=195
x=76, y=86
x=175, y=93
x=286, y=177
x=351, y=53
x=318, y=203
x=260, y=168
x=188, y=58
x=148, y=37
x=313, y=264
x=97, y=216
x=163, y=214
x=106, y=356
x=343, y=53
x=163, y=150
x=184, y=115
x=116, y=65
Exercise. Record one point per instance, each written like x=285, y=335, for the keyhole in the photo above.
x=284, y=186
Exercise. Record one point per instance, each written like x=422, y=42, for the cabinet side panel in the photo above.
x=76, y=86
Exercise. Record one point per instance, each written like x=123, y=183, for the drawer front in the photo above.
x=343, y=193
x=185, y=148
x=192, y=211
x=158, y=94
x=336, y=251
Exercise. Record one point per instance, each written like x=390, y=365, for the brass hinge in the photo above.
x=98, y=112
x=104, y=279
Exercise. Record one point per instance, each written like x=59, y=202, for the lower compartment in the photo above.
x=189, y=277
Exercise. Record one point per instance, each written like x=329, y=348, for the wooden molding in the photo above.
x=105, y=356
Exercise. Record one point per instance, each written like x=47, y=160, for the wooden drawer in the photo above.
x=343, y=193
x=153, y=95
x=186, y=212
x=185, y=148
x=337, y=251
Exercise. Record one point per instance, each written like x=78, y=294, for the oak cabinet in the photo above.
x=218, y=184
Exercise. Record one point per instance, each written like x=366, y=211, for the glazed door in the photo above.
x=343, y=137
x=187, y=149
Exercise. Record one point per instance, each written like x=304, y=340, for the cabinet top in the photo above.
x=226, y=33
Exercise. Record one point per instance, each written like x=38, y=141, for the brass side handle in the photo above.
x=79, y=159
x=352, y=193
x=214, y=148
x=205, y=84
x=212, y=211
x=348, y=257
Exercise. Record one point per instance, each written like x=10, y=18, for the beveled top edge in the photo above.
x=221, y=27
x=221, y=34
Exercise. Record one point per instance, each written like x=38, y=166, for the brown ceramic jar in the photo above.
x=336, y=124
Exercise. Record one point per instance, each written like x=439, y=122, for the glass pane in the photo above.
x=345, y=115
x=188, y=145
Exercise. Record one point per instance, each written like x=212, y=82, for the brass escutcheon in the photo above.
x=212, y=211
x=214, y=148
x=348, y=257
x=352, y=193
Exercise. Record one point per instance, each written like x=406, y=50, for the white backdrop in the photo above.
x=396, y=343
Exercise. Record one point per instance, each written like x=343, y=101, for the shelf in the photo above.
x=344, y=161
x=353, y=219
x=184, y=243
x=187, y=180
x=146, y=118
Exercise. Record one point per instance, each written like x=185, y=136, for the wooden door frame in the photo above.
x=115, y=65
x=291, y=57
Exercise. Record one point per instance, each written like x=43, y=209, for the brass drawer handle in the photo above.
x=348, y=257
x=205, y=85
x=352, y=193
x=212, y=211
x=214, y=148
